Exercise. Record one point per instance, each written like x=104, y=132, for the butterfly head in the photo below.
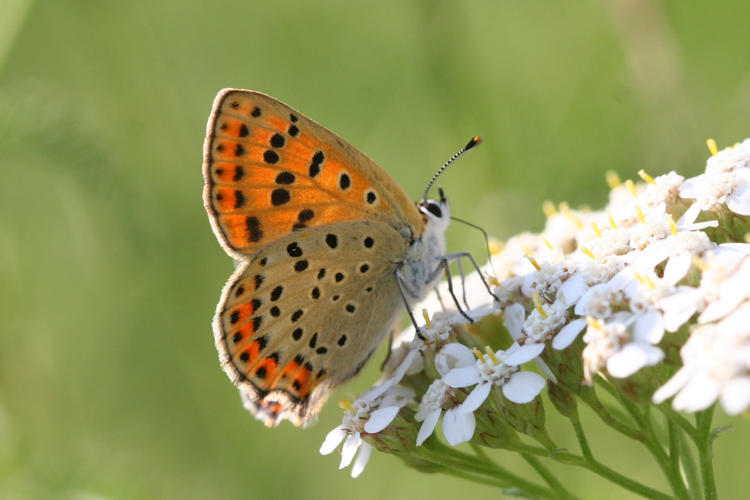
x=436, y=212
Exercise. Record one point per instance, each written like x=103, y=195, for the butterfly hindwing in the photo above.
x=306, y=313
x=270, y=170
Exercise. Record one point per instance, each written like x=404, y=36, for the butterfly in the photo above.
x=327, y=248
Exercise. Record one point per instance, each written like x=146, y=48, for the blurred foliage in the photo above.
x=109, y=383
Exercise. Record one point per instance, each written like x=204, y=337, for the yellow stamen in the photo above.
x=595, y=227
x=650, y=282
x=565, y=209
x=646, y=177
x=547, y=243
x=672, y=225
x=549, y=208
x=594, y=323
x=494, y=281
x=533, y=261
x=611, y=220
x=538, y=305
x=491, y=354
x=478, y=354
x=613, y=180
x=588, y=252
x=700, y=263
x=639, y=212
x=345, y=404
x=631, y=187
x=712, y=146
x=496, y=246
x=639, y=277
x=426, y=317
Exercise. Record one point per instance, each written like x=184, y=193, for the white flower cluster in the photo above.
x=664, y=266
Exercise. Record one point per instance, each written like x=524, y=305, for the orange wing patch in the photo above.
x=268, y=172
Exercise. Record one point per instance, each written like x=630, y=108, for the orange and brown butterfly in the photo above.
x=327, y=247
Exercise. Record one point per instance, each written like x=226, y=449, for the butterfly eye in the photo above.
x=434, y=209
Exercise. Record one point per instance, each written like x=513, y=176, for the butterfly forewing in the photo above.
x=306, y=313
x=270, y=170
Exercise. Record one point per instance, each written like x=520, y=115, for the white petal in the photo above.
x=690, y=214
x=362, y=457
x=523, y=387
x=656, y=213
x=739, y=201
x=332, y=440
x=570, y=291
x=483, y=310
x=679, y=307
x=720, y=308
x=622, y=279
x=416, y=366
x=397, y=396
x=698, y=394
x=677, y=267
x=380, y=418
x=428, y=426
x=539, y=362
x=581, y=308
x=697, y=226
x=350, y=447
x=476, y=397
x=631, y=358
x=691, y=187
x=452, y=356
x=461, y=377
x=568, y=334
x=398, y=374
x=523, y=354
x=735, y=397
x=737, y=321
x=743, y=248
x=648, y=327
x=458, y=426
x=513, y=318
x=672, y=386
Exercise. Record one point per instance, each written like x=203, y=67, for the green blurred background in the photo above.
x=109, y=272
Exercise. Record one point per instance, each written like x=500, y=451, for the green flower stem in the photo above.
x=528, y=449
x=543, y=438
x=550, y=478
x=688, y=467
x=581, y=436
x=476, y=478
x=448, y=457
x=602, y=470
x=595, y=466
x=705, y=451
x=650, y=441
x=480, y=453
x=678, y=419
x=589, y=397
x=674, y=446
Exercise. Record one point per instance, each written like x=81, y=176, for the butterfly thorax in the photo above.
x=419, y=271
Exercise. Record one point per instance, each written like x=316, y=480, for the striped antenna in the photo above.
x=473, y=142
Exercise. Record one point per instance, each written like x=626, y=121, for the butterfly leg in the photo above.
x=463, y=282
x=406, y=303
x=459, y=255
x=439, y=297
x=443, y=267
